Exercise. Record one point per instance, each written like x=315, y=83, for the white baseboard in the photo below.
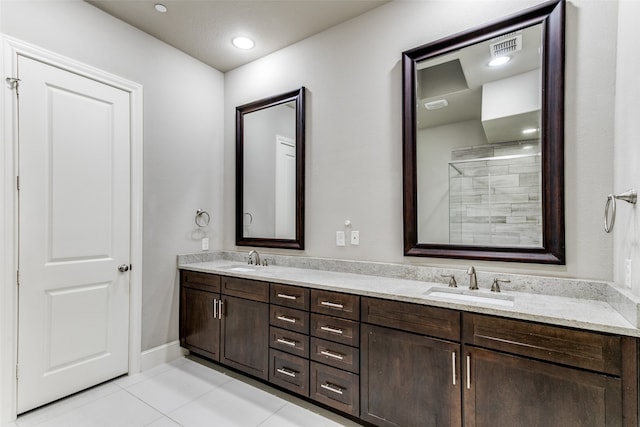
x=161, y=354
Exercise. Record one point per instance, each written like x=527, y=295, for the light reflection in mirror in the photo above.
x=477, y=183
x=270, y=172
x=483, y=146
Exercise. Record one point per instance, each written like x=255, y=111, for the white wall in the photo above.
x=354, y=163
x=433, y=187
x=182, y=135
x=626, y=233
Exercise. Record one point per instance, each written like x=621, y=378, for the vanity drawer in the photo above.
x=289, y=318
x=288, y=341
x=335, y=304
x=431, y=321
x=581, y=349
x=335, y=329
x=245, y=288
x=201, y=281
x=290, y=296
x=336, y=355
x=335, y=388
x=288, y=371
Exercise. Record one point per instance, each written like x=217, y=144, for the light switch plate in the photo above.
x=340, y=239
x=355, y=238
x=205, y=243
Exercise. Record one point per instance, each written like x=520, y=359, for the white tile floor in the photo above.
x=187, y=392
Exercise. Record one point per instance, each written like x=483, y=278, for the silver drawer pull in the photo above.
x=332, y=388
x=468, y=372
x=286, y=342
x=286, y=319
x=287, y=372
x=453, y=366
x=332, y=355
x=332, y=330
x=285, y=296
x=331, y=304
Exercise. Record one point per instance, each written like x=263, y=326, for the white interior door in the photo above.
x=74, y=233
x=285, y=211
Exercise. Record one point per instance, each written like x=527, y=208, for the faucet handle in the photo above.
x=452, y=280
x=473, y=281
x=496, y=284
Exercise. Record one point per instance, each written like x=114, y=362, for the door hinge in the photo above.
x=13, y=83
x=18, y=277
x=18, y=183
x=17, y=372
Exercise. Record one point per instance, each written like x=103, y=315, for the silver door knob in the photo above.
x=123, y=268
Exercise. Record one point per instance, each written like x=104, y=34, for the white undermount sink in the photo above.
x=471, y=296
x=241, y=268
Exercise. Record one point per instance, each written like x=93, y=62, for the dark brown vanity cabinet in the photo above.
x=226, y=319
x=394, y=363
x=200, y=313
x=542, y=375
x=289, y=338
x=334, y=350
x=245, y=326
x=410, y=365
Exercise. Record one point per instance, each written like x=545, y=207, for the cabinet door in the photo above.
x=408, y=379
x=245, y=336
x=199, y=322
x=506, y=390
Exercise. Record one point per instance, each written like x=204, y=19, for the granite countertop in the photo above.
x=581, y=313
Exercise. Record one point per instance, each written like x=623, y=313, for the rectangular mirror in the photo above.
x=483, y=141
x=270, y=172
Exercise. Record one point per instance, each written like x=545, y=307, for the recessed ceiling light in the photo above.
x=500, y=60
x=242, y=42
x=528, y=131
x=160, y=8
x=436, y=105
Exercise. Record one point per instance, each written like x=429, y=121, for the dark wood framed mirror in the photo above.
x=270, y=136
x=483, y=145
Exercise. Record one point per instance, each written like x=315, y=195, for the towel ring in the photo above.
x=250, y=218
x=629, y=196
x=202, y=218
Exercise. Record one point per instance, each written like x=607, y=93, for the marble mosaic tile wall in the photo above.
x=495, y=195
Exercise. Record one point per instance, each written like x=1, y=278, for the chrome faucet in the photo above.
x=473, y=281
x=251, y=254
x=496, y=284
x=452, y=280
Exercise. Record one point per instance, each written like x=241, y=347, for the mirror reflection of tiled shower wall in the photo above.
x=495, y=195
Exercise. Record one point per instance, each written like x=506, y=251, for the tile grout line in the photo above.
x=69, y=399
x=167, y=415
x=273, y=414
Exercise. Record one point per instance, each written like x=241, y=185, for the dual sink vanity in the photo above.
x=393, y=345
x=390, y=351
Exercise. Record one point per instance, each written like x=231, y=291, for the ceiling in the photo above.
x=204, y=28
x=465, y=99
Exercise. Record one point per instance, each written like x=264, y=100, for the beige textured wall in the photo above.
x=626, y=233
x=182, y=135
x=354, y=136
